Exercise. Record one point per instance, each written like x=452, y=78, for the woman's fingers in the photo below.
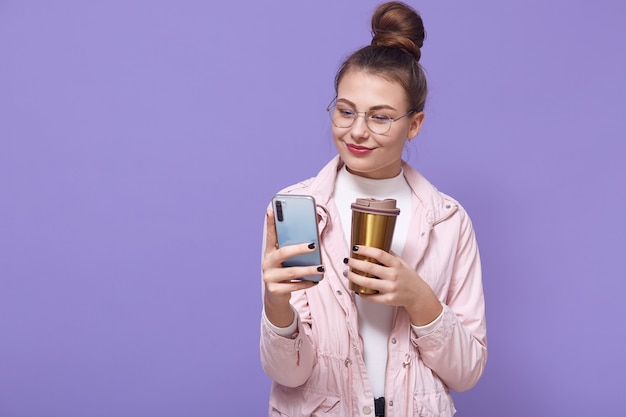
x=274, y=272
x=367, y=266
x=371, y=265
x=379, y=255
x=366, y=282
x=275, y=257
x=283, y=281
x=291, y=273
x=287, y=287
x=270, y=230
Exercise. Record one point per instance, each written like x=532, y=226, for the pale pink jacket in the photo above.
x=320, y=370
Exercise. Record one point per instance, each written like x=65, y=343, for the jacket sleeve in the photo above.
x=456, y=350
x=289, y=360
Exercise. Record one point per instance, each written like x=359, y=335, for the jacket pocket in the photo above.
x=302, y=402
x=433, y=405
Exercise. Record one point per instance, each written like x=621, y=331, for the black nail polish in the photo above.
x=345, y=260
x=345, y=274
x=312, y=245
x=355, y=248
x=320, y=268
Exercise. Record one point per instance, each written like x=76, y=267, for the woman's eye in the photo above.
x=346, y=112
x=379, y=118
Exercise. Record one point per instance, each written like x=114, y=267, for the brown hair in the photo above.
x=397, y=36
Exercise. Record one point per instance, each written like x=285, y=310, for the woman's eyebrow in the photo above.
x=383, y=107
x=379, y=107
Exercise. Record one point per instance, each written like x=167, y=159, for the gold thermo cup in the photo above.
x=373, y=222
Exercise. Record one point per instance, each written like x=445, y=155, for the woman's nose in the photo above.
x=359, y=128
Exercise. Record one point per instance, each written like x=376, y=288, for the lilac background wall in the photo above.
x=140, y=142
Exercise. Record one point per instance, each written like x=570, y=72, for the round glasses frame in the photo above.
x=380, y=124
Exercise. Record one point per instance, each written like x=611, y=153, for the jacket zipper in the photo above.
x=298, y=346
x=407, y=394
x=347, y=363
x=408, y=398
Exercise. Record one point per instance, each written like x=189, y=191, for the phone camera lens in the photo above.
x=279, y=211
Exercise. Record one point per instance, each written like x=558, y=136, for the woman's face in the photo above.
x=364, y=152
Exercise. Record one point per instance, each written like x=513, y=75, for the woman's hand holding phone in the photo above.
x=279, y=282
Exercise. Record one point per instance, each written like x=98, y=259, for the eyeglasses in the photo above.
x=342, y=116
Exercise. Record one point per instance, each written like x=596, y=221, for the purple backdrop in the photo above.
x=140, y=142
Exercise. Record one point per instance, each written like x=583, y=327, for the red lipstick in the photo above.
x=358, y=150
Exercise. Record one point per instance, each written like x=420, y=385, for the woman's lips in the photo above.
x=358, y=150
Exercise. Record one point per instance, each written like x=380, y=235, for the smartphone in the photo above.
x=296, y=222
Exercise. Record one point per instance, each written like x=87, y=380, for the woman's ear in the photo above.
x=417, y=120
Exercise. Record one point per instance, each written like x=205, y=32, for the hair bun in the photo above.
x=397, y=25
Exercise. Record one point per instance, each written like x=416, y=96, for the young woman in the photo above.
x=397, y=352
